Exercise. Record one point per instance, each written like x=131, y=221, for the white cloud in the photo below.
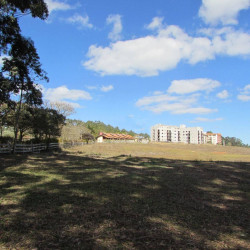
x=57, y=5
x=203, y=119
x=81, y=21
x=231, y=42
x=222, y=11
x=107, y=88
x=158, y=93
x=115, y=34
x=223, y=94
x=193, y=85
x=244, y=98
x=64, y=94
x=147, y=56
x=101, y=88
x=245, y=94
x=91, y=87
x=173, y=104
x=246, y=89
x=148, y=100
x=156, y=23
x=180, y=98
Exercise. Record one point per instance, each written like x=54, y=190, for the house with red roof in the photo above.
x=110, y=137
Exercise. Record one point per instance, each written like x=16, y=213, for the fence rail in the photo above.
x=27, y=148
x=37, y=148
x=5, y=148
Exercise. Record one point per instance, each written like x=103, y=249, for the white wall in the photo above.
x=100, y=139
x=165, y=133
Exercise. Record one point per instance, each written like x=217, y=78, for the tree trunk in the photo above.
x=20, y=135
x=17, y=120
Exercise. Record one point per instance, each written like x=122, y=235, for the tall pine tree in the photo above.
x=21, y=66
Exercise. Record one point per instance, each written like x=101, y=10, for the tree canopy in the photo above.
x=40, y=123
x=21, y=65
x=88, y=137
x=46, y=123
x=233, y=141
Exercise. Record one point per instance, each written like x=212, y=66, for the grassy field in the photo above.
x=161, y=196
x=169, y=151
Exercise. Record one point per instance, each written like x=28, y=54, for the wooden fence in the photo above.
x=37, y=148
x=27, y=148
x=73, y=144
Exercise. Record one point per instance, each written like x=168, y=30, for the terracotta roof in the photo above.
x=117, y=136
x=213, y=134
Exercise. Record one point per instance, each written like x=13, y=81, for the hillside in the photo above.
x=95, y=127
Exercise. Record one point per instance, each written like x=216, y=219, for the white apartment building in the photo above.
x=167, y=133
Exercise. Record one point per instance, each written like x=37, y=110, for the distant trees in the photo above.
x=233, y=141
x=144, y=135
x=73, y=131
x=87, y=137
x=97, y=126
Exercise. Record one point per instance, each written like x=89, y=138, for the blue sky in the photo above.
x=133, y=64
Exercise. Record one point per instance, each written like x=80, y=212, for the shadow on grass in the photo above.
x=75, y=202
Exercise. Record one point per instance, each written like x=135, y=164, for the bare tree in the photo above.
x=73, y=132
x=63, y=108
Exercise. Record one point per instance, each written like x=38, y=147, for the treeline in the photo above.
x=233, y=141
x=39, y=123
x=94, y=128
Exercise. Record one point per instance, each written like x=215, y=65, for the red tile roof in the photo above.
x=214, y=134
x=117, y=136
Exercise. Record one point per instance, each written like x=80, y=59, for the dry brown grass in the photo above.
x=168, y=151
x=126, y=197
